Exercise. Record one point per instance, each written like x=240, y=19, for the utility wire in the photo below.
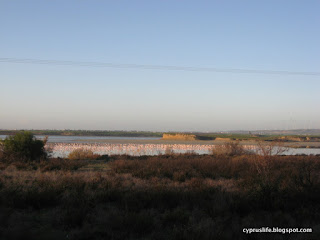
x=152, y=67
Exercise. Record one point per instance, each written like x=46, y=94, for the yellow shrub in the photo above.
x=81, y=154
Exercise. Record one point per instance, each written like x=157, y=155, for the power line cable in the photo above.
x=153, y=67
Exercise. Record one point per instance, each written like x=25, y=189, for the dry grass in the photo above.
x=232, y=148
x=182, y=137
x=82, y=154
x=182, y=196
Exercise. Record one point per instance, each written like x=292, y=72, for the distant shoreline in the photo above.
x=152, y=140
x=233, y=135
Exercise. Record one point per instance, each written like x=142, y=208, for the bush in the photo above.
x=82, y=154
x=229, y=149
x=23, y=146
x=273, y=148
x=56, y=164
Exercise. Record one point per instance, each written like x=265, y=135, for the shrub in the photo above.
x=55, y=164
x=169, y=151
x=82, y=154
x=23, y=146
x=229, y=149
x=273, y=148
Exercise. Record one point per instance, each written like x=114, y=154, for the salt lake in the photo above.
x=61, y=146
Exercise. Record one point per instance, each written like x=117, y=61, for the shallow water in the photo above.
x=73, y=139
x=63, y=149
x=61, y=146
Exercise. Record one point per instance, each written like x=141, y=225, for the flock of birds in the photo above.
x=63, y=149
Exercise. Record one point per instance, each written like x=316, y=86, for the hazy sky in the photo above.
x=261, y=35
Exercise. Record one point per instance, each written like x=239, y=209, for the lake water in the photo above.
x=73, y=139
x=61, y=146
x=63, y=149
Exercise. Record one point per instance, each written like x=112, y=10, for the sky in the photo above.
x=258, y=35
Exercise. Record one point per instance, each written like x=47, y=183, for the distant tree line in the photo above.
x=87, y=133
x=106, y=133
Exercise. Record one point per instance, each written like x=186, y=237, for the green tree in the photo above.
x=23, y=146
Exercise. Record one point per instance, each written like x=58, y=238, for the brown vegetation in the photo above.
x=299, y=139
x=171, y=196
x=230, y=149
x=183, y=137
x=82, y=154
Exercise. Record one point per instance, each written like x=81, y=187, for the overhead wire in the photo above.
x=154, y=67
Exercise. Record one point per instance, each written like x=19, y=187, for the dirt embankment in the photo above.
x=185, y=137
x=223, y=139
x=300, y=139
